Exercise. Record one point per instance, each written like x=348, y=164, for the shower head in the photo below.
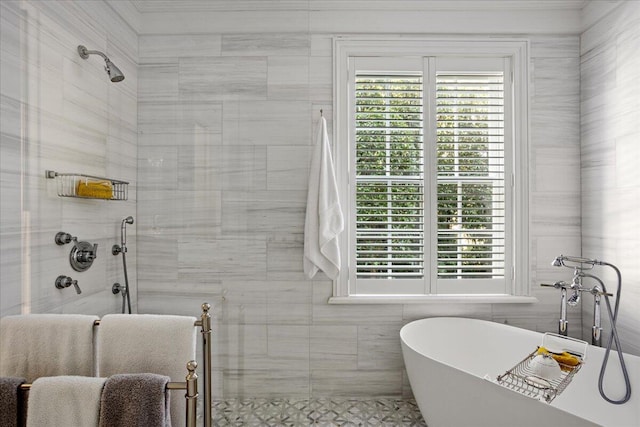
x=114, y=72
x=128, y=220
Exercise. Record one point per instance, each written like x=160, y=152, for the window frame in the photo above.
x=516, y=51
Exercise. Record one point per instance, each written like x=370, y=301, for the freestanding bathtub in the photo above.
x=453, y=364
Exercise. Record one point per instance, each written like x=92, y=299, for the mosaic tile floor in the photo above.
x=316, y=412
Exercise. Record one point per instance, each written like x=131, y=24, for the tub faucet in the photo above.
x=573, y=300
x=576, y=288
x=580, y=264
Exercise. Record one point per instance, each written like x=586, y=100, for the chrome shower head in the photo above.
x=128, y=220
x=114, y=72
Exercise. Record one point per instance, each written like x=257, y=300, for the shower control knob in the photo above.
x=82, y=255
x=117, y=288
x=87, y=255
x=63, y=238
x=66, y=281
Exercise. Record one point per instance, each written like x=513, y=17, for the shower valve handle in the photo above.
x=66, y=281
x=63, y=238
x=82, y=255
x=87, y=255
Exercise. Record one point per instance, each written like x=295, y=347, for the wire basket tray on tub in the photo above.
x=570, y=355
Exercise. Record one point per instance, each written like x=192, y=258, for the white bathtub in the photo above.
x=447, y=360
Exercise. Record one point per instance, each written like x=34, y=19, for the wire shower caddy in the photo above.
x=69, y=184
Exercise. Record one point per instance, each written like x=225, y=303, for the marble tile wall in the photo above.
x=60, y=112
x=213, y=127
x=610, y=132
x=225, y=128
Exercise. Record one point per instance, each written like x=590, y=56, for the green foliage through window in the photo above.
x=389, y=170
x=391, y=186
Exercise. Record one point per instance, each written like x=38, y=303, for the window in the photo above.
x=431, y=156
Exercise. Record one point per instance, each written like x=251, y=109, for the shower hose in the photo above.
x=125, y=293
x=613, y=317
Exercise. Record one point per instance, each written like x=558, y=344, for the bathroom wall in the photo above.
x=610, y=133
x=229, y=95
x=213, y=130
x=61, y=113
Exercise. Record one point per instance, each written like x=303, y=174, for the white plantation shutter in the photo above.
x=390, y=180
x=429, y=173
x=470, y=175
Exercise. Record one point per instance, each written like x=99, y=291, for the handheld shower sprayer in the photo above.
x=123, y=232
x=576, y=262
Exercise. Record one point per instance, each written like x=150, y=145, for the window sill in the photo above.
x=430, y=299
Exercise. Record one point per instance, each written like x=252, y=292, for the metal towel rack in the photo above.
x=191, y=380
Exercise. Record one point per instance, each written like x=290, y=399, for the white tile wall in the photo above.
x=610, y=131
x=62, y=113
x=214, y=134
x=276, y=333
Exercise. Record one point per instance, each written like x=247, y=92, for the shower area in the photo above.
x=209, y=115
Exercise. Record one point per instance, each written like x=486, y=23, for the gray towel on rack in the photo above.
x=135, y=400
x=11, y=405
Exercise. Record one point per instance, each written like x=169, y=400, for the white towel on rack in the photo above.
x=324, y=221
x=46, y=345
x=65, y=401
x=148, y=343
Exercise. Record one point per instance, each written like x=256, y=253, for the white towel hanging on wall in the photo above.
x=324, y=221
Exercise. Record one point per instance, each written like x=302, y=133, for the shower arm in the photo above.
x=84, y=53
